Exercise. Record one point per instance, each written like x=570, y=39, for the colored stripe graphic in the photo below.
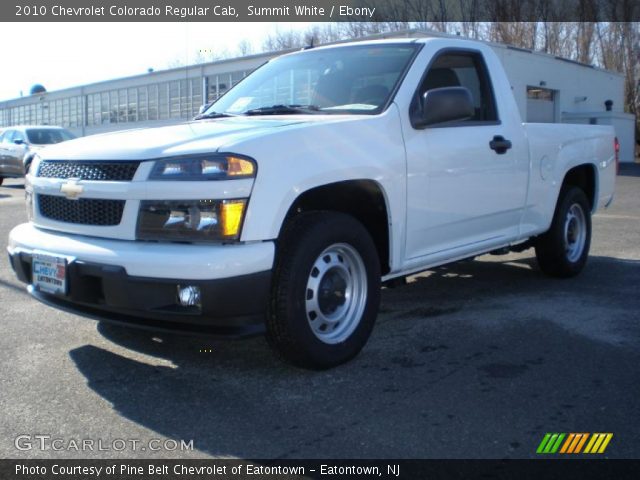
x=598, y=443
x=566, y=445
x=581, y=442
x=543, y=443
x=573, y=443
x=551, y=443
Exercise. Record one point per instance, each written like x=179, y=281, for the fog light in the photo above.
x=189, y=295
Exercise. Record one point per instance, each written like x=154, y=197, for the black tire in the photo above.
x=557, y=254
x=302, y=245
x=1, y=180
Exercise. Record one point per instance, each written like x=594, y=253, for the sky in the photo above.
x=61, y=55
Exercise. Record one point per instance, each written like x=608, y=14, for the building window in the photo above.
x=142, y=104
x=65, y=112
x=74, y=111
x=539, y=93
x=236, y=77
x=105, y=115
x=122, y=106
x=132, y=110
x=152, y=102
x=196, y=95
x=541, y=105
x=163, y=101
x=174, y=99
x=113, y=106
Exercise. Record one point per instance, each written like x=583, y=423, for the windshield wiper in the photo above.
x=283, y=110
x=213, y=115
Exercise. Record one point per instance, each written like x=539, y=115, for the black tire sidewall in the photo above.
x=551, y=252
x=322, y=230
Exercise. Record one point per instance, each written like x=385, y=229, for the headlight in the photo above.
x=190, y=220
x=204, y=167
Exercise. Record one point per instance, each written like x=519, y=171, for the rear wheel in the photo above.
x=563, y=250
x=326, y=290
x=1, y=180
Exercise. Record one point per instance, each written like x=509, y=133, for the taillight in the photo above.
x=616, y=149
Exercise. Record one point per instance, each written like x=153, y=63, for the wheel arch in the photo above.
x=363, y=199
x=585, y=177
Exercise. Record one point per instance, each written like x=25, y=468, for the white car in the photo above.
x=289, y=201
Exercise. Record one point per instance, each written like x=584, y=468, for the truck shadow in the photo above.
x=460, y=347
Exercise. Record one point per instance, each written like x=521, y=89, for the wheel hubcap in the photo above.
x=575, y=232
x=336, y=293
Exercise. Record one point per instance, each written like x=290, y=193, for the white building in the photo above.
x=546, y=88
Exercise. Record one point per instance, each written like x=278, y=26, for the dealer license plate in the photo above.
x=50, y=273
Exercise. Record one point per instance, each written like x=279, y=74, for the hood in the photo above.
x=142, y=144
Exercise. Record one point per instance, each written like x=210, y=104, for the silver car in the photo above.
x=19, y=144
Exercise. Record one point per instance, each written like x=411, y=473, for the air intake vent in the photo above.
x=85, y=211
x=113, y=171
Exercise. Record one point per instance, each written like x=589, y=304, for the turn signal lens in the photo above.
x=231, y=213
x=239, y=167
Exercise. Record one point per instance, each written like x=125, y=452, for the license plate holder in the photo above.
x=49, y=273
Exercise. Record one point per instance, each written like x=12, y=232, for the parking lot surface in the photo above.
x=476, y=359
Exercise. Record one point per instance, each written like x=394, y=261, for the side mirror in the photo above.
x=18, y=141
x=449, y=104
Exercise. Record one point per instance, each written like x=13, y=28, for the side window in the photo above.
x=17, y=135
x=7, y=137
x=463, y=69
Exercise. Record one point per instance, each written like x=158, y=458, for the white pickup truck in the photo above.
x=292, y=198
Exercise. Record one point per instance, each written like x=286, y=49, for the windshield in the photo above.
x=46, y=136
x=358, y=79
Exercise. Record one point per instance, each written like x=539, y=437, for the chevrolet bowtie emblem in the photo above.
x=72, y=189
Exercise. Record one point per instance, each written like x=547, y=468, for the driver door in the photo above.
x=464, y=195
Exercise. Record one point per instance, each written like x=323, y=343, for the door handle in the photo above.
x=500, y=144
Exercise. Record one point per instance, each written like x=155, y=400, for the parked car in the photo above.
x=288, y=202
x=18, y=145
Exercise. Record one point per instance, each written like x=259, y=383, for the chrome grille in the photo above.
x=113, y=171
x=85, y=211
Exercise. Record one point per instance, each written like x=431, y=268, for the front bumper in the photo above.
x=101, y=284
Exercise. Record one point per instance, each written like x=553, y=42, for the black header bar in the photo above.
x=538, y=469
x=319, y=10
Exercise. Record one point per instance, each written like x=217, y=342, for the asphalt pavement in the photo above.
x=474, y=360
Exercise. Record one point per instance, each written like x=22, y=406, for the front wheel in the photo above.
x=1, y=180
x=563, y=250
x=326, y=290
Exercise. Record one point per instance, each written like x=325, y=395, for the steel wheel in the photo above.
x=336, y=293
x=575, y=232
x=562, y=250
x=326, y=290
